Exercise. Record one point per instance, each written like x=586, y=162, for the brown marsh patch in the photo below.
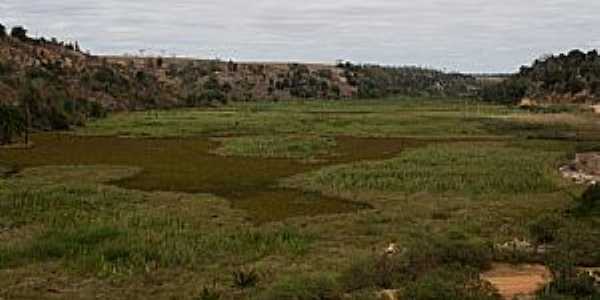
x=187, y=165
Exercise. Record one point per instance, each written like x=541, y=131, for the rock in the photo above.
x=584, y=170
x=593, y=273
x=528, y=103
x=517, y=245
x=388, y=295
x=392, y=249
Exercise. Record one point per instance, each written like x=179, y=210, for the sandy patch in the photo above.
x=517, y=280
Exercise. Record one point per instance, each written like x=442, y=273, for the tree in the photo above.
x=2, y=31
x=19, y=32
x=12, y=123
x=27, y=98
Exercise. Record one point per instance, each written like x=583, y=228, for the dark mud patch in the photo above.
x=187, y=165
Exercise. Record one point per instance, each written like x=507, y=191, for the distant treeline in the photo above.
x=55, y=85
x=563, y=78
x=375, y=81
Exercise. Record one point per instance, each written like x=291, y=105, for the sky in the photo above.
x=477, y=36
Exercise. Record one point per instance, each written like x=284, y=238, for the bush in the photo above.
x=451, y=284
x=448, y=249
x=423, y=256
x=375, y=272
x=544, y=229
x=568, y=281
x=509, y=91
x=589, y=202
x=20, y=33
x=12, y=123
x=304, y=287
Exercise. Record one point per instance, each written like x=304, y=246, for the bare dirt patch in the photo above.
x=517, y=280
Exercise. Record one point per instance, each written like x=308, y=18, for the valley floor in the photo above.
x=295, y=200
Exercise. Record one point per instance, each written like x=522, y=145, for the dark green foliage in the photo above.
x=375, y=81
x=2, y=31
x=544, y=229
x=564, y=75
x=509, y=91
x=12, y=123
x=375, y=272
x=50, y=107
x=211, y=91
x=20, y=33
x=303, y=83
x=588, y=204
x=567, y=280
x=244, y=279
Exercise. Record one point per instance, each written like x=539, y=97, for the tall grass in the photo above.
x=471, y=169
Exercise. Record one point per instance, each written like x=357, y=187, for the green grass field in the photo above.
x=290, y=200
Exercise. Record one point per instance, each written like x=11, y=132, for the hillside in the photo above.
x=62, y=86
x=563, y=78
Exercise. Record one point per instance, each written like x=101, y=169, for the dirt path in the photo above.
x=515, y=280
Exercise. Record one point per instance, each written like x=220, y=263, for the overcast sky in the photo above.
x=455, y=35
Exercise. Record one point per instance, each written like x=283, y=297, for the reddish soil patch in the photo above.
x=517, y=280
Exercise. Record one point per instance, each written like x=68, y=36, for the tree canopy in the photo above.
x=19, y=32
x=12, y=123
x=2, y=31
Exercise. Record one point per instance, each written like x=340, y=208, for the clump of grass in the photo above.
x=472, y=169
x=208, y=294
x=302, y=147
x=244, y=279
x=303, y=287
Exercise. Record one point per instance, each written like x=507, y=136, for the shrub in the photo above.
x=544, y=229
x=12, y=123
x=374, y=272
x=449, y=249
x=589, y=202
x=19, y=32
x=451, y=284
x=422, y=257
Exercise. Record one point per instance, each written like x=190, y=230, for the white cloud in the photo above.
x=465, y=35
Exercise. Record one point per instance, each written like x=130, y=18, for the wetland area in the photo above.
x=171, y=203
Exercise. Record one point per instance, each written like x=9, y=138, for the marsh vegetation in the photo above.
x=297, y=200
